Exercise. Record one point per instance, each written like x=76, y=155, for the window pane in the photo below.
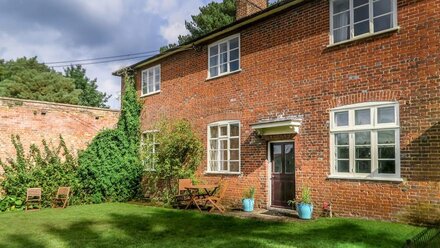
x=362, y=117
x=213, y=71
x=150, y=87
x=385, y=115
x=213, y=50
x=234, y=143
x=289, y=158
x=361, y=13
x=341, y=34
x=277, y=158
x=223, y=47
x=233, y=55
x=386, y=137
x=342, y=19
x=383, y=23
x=361, y=28
x=363, y=166
x=223, y=58
x=387, y=152
x=234, y=66
x=363, y=138
x=381, y=7
x=224, y=155
x=342, y=152
x=213, y=155
x=223, y=144
x=357, y=3
x=341, y=118
x=224, y=131
x=213, y=166
x=213, y=144
x=233, y=43
x=343, y=166
x=234, y=166
x=363, y=152
x=224, y=165
x=234, y=155
x=340, y=5
x=234, y=130
x=214, y=132
x=341, y=139
x=224, y=68
x=213, y=61
x=387, y=167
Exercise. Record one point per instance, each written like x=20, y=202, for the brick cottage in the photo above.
x=342, y=96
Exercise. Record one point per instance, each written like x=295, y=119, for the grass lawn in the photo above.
x=127, y=225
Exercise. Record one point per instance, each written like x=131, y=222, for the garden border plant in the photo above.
x=109, y=169
x=177, y=156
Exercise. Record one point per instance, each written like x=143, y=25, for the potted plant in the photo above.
x=248, y=200
x=305, y=206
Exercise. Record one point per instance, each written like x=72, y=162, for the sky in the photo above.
x=60, y=30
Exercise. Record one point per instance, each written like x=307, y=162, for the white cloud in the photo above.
x=174, y=13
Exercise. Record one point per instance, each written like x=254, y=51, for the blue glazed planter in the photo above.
x=248, y=204
x=305, y=210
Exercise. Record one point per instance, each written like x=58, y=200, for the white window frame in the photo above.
x=154, y=133
x=395, y=26
x=145, y=80
x=374, y=127
x=217, y=43
x=228, y=137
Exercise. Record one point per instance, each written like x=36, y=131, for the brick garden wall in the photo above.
x=35, y=120
x=287, y=69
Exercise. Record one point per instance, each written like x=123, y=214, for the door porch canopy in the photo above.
x=277, y=126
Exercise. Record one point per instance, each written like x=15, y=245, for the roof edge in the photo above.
x=212, y=35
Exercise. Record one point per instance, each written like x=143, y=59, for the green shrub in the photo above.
x=50, y=169
x=178, y=155
x=110, y=167
x=11, y=203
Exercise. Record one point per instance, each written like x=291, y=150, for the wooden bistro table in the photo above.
x=193, y=191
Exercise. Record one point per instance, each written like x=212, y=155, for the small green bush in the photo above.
x=178, y=155
x=11, y=203
x=50, y=169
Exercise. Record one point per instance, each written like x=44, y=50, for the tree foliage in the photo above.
x=28, y=79
x=90, y=95
x=110, y=168
x=49, y=168
x=211, y=17
x=178, y=155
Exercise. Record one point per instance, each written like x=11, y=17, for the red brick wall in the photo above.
x=287, y=69
x=35, y=120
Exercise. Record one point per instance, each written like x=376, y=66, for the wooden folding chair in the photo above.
x=183, y=197
x=33, y=196
x=216, y=200
x=62, y=197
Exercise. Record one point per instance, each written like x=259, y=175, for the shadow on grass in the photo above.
x=165, y=228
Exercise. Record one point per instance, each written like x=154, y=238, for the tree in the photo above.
x=90, y=96
x=27, y=79
x=211, y=17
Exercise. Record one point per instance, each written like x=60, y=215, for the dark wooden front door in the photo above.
x=283, y=173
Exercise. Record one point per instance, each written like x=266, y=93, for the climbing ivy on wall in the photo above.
x=110, y=167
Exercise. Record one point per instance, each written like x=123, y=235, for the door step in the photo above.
x=280, y=212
